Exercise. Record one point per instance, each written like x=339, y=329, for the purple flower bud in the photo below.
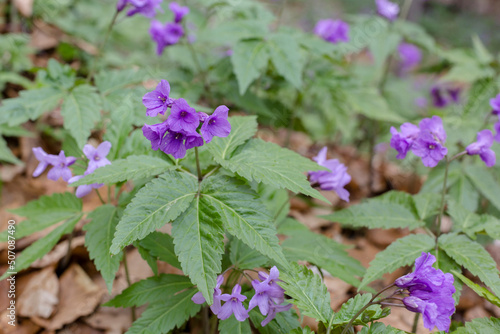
x=44, y=160
x=97, y=156
x=158, y=101
x=402, y=142
x=233, y=305
x=482, y=147
x=437, y=98
x=147, y=8
x=410, y=56
x=332, y=31
x=495, y=105
x=61, y=165
x=203, y=116
x=216, y=124
x=335, y=179
x=155, y=134
x=120, y=5
x=179, y=11
x=387, y=9
x=183, y=117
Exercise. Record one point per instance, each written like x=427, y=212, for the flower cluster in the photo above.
x=333, y=31
x=178, y=133
x=335, y=179
x=268, y=297
x=425, y=141
x=147, y=8
x=430, y=293
x=443, y=96
x=60, y=165
x=410, y=56
x=387, y=9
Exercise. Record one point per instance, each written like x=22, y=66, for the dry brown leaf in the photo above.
x=25, y=7
x=112, y=320
x=58, y=252
x=40, y=294
x=23, y=327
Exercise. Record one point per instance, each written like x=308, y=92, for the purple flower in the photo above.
x=495, y=105
x=387, y=9
x=430, y=150
x=44, y=160
x=335, y=179
x=97, y=156
x=173, y=143
x=179, y=11
x=421, y=102
x=216, y=306
x=183, y=117
x=332, y=31
x=193, y=140
x=120, y=5
x=430, y=293
x=402, y=142
x=497, y=129
x=435, y=127
x=440, y=100
x=482, y=147
x=216, y=124
x=276, y=292
x=437, y=98
x=147, y=8
x=267, y=292
x=454, y=94
x=261, y=298
x=155, y=134
x=410, y=56
x=158, y=101
x=165, y=35
x=233, y=305
x=61, y=166
x=273, y=309
x=84, y=189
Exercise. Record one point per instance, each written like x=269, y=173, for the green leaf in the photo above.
x=199, y=244
x=304, y=245
x=150, y=259
x=109, y=81
x=473, y=257
x=283, y=322
x=446, y=264
x=468, y=222
x=80, y=110
x=233, y=326
x=242, y=129
x=244, y=257
x=159, y=202
x=350, y=308
x=119, y=128
x=42, y=246
x=483, y=55
x=308, y=292
x=401, y=252
x=380, y=328
x=133, y=167
x=151, y=290
x=243, y=215
x=161, y=245
x=479, y=96
x=167, y=315
x=427, y=205
x=98, y=241
x=286, y=57
x=44, y=212
x=268, y=163
x=481, y=291
x=6, y=154
x=249, y=61
x=376, y=214
x=483, y=326
x=383, y=45
x=483, y=180
x=463, y=192
x=369, y=102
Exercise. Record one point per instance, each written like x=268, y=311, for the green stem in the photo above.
x=406, y=9
x=127, y=276
x=100, y=197
x=441, y=210
x=415, y=323
x=198, y=168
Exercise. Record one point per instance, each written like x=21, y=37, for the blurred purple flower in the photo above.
x=441, y=97
x=158, y=101
x=84, y=189
x=233, y=305
x=482, y=147
x=421, y=102
x=165, y=35
x=97, y=156
x=335, y=179
x=387, y=9
x=410, y=56
x=120, y=5
x=216, y=306
x=216, y=124
x=183, y=117
x=155, y=134
x=147, y=8
x=61, y=165
x=429, y=149
x=495, y=105
x=44, y=160
x=179, y=11
x=435, y=127
x=273, y=309
x=332, y=31
x=437, y=98
x=497, y=129
x=402, y=142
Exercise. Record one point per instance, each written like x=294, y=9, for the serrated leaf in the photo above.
x=481, y=291
x=473, y=257
x=119, y=128
x=376, y=214
x=485, y=183
x=42, y=246
x=98, y=239
x=199, y=244
x=151, y=290
x=110, y=81
x=159, y=202
x=243, y=215
x=242, y=129
x=380, y=328
x=304, y=245
x=286, y=57
x=150, y=259
x=44, y=212
x=401, y=252
x=427, y=205
x=469, y=222
x=283, y=322
x=161, y=245
x=233, y=326
x=350, y=308
x=369, y=102
x=480, y=95
x=463, y=192
x=249, y=61
x=244, y=257
x=308, y=292
x=268, y=163
x=80, y=110
x=132, y=168
x=483, y=326
x=167, y=315
x=6, y=154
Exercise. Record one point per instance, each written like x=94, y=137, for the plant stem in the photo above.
x=406, y=9
x=198, y=168
x=441, y=210
x=206, y=321
x=127, y=276
x=100, y=197
x=415, y=323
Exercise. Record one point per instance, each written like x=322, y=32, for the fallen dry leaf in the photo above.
x=58, y=252
x=40, y=294
x=25, y=7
